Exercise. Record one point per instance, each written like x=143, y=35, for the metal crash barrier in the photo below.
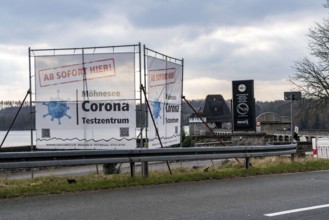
x=89, y=157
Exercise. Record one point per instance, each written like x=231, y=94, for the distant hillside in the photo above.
x=23, y=121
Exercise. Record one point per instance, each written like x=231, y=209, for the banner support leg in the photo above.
x=156, y=129
x=12, y=123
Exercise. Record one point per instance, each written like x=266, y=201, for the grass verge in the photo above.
x=50, y=185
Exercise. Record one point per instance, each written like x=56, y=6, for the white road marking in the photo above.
x=297, y=210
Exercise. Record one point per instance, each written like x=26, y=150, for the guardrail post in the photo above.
x=247, y=163
x=132, y=169
x=145, y=169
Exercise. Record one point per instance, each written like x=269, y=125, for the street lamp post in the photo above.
x=292, y=96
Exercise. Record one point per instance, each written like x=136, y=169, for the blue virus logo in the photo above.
x=156, y=107
x=57, y=109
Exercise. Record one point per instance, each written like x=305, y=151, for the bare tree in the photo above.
x=326, y=5
x=312, y=74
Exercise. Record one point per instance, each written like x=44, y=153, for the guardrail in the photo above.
x=89, y=157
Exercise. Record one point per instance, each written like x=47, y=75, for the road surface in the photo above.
x=289, y=196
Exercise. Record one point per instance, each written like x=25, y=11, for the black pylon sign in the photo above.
x=243, y=107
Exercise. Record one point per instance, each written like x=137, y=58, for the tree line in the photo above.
x=12, y=103
x=24, y=119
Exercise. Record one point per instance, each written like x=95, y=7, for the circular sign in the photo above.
x=242, y=108
x=242, y=87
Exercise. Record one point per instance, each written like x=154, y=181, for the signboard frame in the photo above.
x=165, y=88
x=294, y=96
x=79, y=77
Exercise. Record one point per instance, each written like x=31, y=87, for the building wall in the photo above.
x=250, y=139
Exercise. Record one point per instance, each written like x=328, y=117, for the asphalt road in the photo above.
x=290, y=196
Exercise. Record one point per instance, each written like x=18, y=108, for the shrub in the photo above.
x=110, y=168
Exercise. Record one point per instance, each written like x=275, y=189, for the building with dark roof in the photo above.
x=215, y=113
x=216, y=110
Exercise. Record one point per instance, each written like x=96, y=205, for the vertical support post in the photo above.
x=31, y=107
x=232, y=116
x=145, y=170
x=292, y=96
x=132, y=169
x=181, y=109
x=291, y=119
x=85, y=83
x=247, y=162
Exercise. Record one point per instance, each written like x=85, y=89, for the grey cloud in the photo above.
x=35, y=20
x=156, y=14
x=178, y=28
x=32, y=21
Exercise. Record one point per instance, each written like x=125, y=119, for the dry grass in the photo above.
x=230, y=169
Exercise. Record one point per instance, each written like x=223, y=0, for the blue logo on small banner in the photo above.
x=57, y=109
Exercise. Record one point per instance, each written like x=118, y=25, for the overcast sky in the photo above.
x=220, y=40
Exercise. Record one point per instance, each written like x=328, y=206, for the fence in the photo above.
x=10, y=160
x=321, y=147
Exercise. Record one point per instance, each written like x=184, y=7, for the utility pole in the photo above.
x=292, y=96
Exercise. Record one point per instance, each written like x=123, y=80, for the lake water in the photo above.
x=17, y=138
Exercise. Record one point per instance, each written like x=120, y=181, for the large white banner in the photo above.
x=164, y=95
x=85, y=102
